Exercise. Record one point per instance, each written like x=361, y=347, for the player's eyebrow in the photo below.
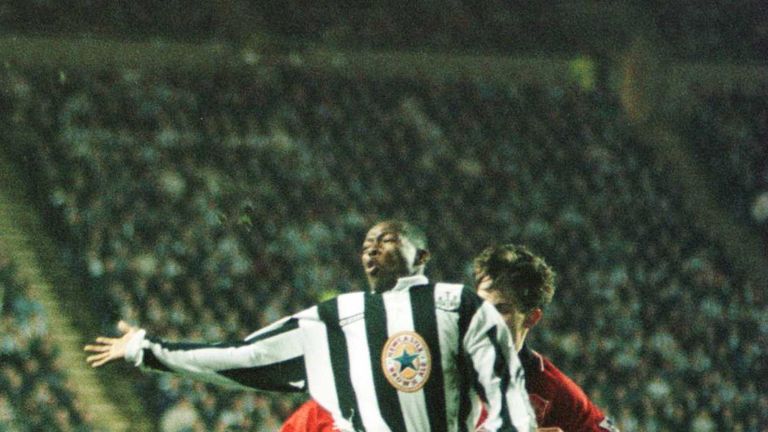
x=379, y=236
x=371, y=239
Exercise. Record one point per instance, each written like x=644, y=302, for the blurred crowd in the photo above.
x=731, y=136
x=35, y=394
x=207, y=205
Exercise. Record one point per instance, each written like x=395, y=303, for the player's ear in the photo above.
x=422, y=256
x=532, y=318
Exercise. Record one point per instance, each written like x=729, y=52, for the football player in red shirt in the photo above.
x=520, y=285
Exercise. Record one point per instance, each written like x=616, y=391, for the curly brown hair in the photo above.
x=517, y=274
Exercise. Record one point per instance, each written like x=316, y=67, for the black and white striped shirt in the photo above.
x=420, y=357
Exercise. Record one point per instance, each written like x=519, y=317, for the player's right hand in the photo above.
x=109, y=349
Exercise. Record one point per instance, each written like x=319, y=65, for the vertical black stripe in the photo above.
x=425, y=324
x=468, y=380
x=337, y=344
x=501, y=369
x=376, y=330
x=470, y=303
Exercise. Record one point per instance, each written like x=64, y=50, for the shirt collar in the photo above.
x=404, y=283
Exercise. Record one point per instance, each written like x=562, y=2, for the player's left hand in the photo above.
x=110, y=349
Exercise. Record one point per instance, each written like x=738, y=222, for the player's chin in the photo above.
x=373, y=278
x=381, y=279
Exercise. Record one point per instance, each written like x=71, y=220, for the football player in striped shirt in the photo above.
x=407, y=356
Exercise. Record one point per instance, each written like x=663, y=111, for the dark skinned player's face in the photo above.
x=386, y=256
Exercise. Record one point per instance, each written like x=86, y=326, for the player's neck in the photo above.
x=387, y=283
x=384, y=284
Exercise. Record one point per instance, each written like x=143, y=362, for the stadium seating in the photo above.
x=730, y=133
x=209, y=205
x=34, y=392
x=689, y=30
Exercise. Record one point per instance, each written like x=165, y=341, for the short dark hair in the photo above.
x=517, y=273
x=415, y=234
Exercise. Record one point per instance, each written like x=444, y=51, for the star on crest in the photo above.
x=406, y=360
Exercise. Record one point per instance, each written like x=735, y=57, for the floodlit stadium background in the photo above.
x=204, y=168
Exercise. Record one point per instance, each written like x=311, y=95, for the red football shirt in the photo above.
x=557, y=400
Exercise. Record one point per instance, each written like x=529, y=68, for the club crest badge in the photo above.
x=406, y=361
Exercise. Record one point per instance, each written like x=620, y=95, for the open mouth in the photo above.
x=372, y=268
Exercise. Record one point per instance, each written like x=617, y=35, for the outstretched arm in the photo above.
x=271, y=359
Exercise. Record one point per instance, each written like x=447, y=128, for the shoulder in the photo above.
x=309, y=407
x=448, y=296
x=338, y=310
x=344, y=297
x=562, y=384
x=454, y=296
x=309, y=417
x=451, y=297
x=569, y=401
x=341, y=301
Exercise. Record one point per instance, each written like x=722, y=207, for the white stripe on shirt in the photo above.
x=351, y=306
x=400, y=318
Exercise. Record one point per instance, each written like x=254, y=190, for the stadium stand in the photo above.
x=206, y=206
x=34, y=391
x=688, y=30
x=731, y=132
